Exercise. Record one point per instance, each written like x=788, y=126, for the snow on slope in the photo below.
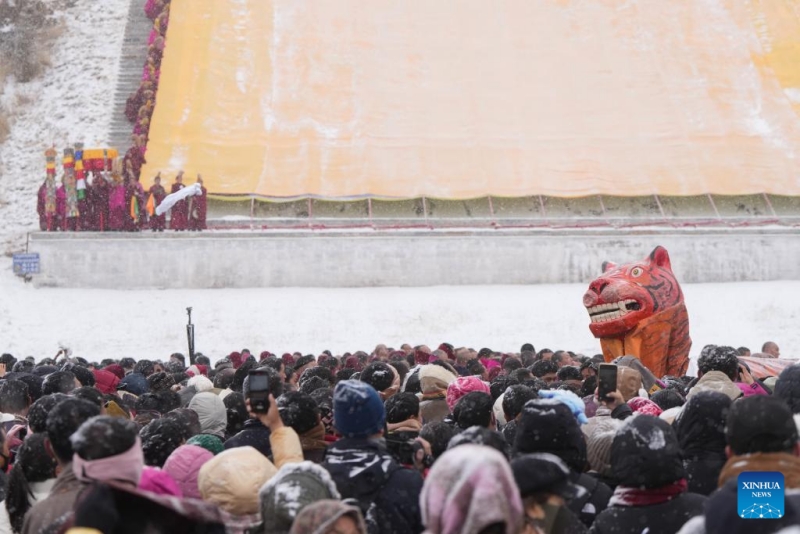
x=71, y=102
x=151, y=323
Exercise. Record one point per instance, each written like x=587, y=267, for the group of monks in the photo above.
x=122, y=205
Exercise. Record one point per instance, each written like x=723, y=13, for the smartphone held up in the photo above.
x=258, y=394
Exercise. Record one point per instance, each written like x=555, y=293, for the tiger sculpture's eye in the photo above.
x=636, y=271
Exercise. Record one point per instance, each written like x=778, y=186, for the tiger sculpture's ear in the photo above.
x=660, y=257
x=608, y=265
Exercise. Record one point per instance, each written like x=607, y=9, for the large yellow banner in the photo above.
x=468, y=98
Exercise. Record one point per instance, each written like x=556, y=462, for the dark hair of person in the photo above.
x=521, y=375
x=188, y=419
x=544, y=367
x=299, y=411
x=668, y=398
x=473, y=409
x=588, y=386
x=14, y=397
x=515, y=398
x=201, y=360
x=240, y=376
x=104, y=436
x=402, y=368
x=159, y=438
x=84, y=375
x=568, y=372
x=320, y=372
x=499, y=385
x=32, y=464
x=304, y=360
x=378, y=375
x=720, y=358
x=58, y=382
x=63, y=420
x=512, y=364
x=90, y=394
x=401, y=407
x=344, y=374
x=37, y=414
x=144, y=367
x=438, y=435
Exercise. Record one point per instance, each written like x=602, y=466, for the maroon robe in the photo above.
x=135, y=156
x=179, y=216
x=98, y=199
x=61, y=209
x=158, y=222
x=197, y=211
x=118, y=212
x=40, y=203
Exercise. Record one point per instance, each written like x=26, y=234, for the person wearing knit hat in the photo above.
x=447, y=348
x=469, y=489
x=106, y=381
x=324, y=517
x=362, y=468
x=421, y=358
x=294, y=487
x=160, y=382
x=645, y=406
x=463, y=385
x=116, y=369
x=236, y=359
x=434, y=381
x=210, y=443
x=548, y=425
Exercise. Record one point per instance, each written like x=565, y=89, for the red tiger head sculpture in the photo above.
x=623, y=295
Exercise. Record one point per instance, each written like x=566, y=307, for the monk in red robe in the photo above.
x=61, y=208
x=98, y=200
x=179, y=219
x=41, y=199
x=134, y=158
x=197, y=208
x=157, y=191
x=118, y=211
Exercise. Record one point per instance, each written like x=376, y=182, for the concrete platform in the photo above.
x=417, y=257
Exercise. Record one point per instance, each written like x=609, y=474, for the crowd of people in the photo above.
x=118, y=202
x=407, y=440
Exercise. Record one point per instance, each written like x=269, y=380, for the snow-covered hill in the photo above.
x=71, y=102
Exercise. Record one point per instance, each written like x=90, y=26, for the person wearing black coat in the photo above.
x=361, y=467
x=651, y=495
x=548, y=426
x=700, y=428
x=253, y=434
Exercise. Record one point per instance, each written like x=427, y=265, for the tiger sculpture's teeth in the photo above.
x=614, y=310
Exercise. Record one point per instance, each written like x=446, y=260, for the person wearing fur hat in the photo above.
x=652, y=490
x=387, y=493
x=434, y=381
x=293, y=488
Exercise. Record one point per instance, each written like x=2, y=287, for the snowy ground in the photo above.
x=71, y=102
x=150, y=324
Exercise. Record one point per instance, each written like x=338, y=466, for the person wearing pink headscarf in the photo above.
x=463, y=385
x=469, y=489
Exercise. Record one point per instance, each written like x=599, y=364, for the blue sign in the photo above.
x=26, y=264
x=761, y=495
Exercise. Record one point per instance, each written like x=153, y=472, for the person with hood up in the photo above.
x=64, y=419
x=184, y=464
x=383, y=377
x=232, y=479
x=294, y=487
x=646, y=459
x=599, y=433
x=650, y=383
x=761, y=436
x=434, y=381
x=548, y=425
x=545, y=488
x=471, y=490
x=329, y=517
x=212, y=413
x=363, y=470
x=700, y=428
